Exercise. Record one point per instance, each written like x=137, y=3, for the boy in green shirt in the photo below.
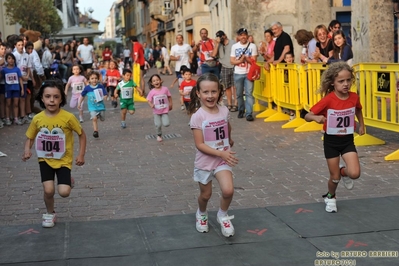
x=125, y=90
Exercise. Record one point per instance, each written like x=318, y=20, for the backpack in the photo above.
x=254, y=71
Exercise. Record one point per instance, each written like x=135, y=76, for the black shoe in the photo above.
x=250, y=118
x=240, y=114
x=95, y=134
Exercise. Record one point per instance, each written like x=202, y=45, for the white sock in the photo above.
x=200, y=212
x=222, y=213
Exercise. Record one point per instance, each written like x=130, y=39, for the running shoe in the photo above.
x=123, y=124
x=348, y=182
x=48, y=220
x=331, y=204
x=201, y=223
x=226, y=226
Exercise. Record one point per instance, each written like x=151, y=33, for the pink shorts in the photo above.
x=74, y=100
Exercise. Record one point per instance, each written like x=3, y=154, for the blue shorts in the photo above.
x=13, y=94
x=2, y=89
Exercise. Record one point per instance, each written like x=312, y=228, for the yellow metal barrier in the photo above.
x=263, y=91
x=287, y=95
x=136, y=78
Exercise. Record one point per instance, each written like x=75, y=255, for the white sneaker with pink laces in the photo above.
x=226, y=226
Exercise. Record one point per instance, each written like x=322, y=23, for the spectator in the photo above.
x=138, y=58
x=283, y=43
x=126, y=56
x=107, y=54
x=241, y=54
x=333, y=27
x=205, y=47
x=266, y=48
x=308, y=42
x=342, y=51
x=223, y=51
x=324, y=45
x=165, y=58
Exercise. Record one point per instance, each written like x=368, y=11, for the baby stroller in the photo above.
x=54, y=71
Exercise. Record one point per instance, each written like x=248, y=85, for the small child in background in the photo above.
x=289, y=57
x=158, y=64
x=146, y=68
x=103, y=71
x=112, y=78
x=77, y=81
x=96, y=95
x=160, y=100
x=125, y=89
x=179, y=79
x=186, y=86
x=121, y=66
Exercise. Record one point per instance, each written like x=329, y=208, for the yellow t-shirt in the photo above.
x=63, y=123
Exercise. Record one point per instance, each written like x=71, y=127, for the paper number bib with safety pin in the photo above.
x=50, y=146
x=341, y=122
x=216, y=133
x=77, y=87
x=161, y=101
x=127, y=93
x=185, y=90
x=113, y=82
x=11, y=78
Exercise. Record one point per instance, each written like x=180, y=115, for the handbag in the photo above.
x=254, y=71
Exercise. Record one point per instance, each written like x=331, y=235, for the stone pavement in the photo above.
x=128, y=174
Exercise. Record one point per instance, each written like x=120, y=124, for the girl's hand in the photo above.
x=361, y=130
x=26, y=155
x=22, y=92
x=170, y=107
x=231, y=142
x=80, y=160
x=229, y=158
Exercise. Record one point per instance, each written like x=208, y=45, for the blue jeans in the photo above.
x=241, y=82
x=207, y=69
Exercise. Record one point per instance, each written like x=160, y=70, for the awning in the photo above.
x=76, y=31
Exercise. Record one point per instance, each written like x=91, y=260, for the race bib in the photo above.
x=77, y=87
x=113, y=82
x=161, y=101
x=11, y=78
x=208, y=56
x=341, y=122
x=185, y=90
x=216, y=134
x=99, y=95
x=50, y=146
x=127, y=93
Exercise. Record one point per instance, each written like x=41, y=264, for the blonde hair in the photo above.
x=328, y=77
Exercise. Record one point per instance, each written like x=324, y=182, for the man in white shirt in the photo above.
x=165, y=58
x=85, y=54
x=241, y=54
x=182, y=53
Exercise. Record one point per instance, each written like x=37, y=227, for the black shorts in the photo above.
x=334, y=146
x=87, y=66
x=48, y=173
x=111, y=90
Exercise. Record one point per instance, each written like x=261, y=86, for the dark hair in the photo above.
x=186, y=70
x=29, y=44
x=93, y=72
x=182, y=68
x=79, y=66
x=336, y=49
x=268, y=31
x=55, y=84
x=333, y=23
x=126, y=70
x=12, y=55
x=195, y=102
x=150, y=81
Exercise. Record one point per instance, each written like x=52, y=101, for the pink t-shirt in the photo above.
x=77, y=83
x=159, y=97
x=216, y=135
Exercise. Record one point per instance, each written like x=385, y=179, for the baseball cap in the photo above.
x=242, y=30
x=220, y=34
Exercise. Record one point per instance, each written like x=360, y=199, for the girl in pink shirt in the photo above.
x=214, y=159
x=160, y=100
x=77, y=82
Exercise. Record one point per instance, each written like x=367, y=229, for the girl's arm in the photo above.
x=140, y=91
x=80, y=160
x=359, y=116
x=150, y=104
x=27, y=153
x=227, y=156
x=67, y=88
x=309, y=117
x=21, y=84
x=231, y=141
x=170, y=103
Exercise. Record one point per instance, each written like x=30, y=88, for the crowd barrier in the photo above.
x=294, y=87
x=136, y=78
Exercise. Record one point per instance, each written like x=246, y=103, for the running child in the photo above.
x=52, y=132
x=2, y=85
x=112, y=78
x=160, y=100
x=336, y=111
x=77, y=81
x=186, y=86
x=214, y=158
x=179, y=79
x=125, y=89
x=14, y=88
x=96, y=95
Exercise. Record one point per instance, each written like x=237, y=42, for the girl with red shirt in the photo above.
x=112, y=77
x=337, y=111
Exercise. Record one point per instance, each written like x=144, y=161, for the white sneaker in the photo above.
x=48, y=220
x=201, y=223
x=183, y=107
x=25, y=120
x=226, y=226
x=8, y=122
x=331, y=204
x=81, y=119
x=348, y=182
x=18, y=121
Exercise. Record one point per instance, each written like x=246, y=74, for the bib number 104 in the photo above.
x=50, y=146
